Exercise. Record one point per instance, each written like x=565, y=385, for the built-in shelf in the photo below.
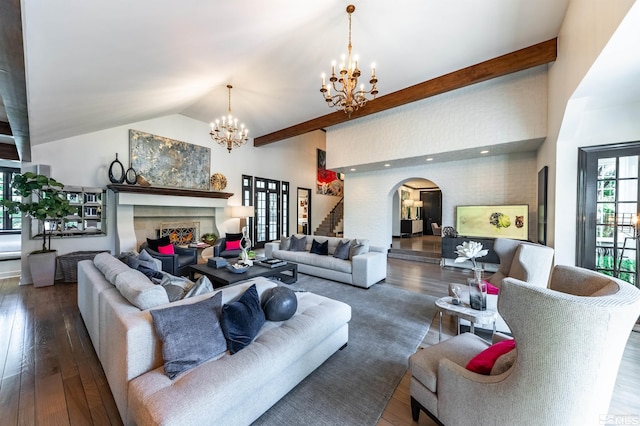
x=180, y=192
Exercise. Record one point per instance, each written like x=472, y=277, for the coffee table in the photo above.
x=220, y=277
x=464, y=311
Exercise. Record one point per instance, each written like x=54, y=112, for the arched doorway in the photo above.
x=417, y=211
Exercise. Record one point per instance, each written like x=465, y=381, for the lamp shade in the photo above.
x=417, y=204
x=242, y=211
x=407, y=203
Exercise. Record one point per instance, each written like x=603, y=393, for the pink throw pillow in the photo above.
x=166, y=249
x=483, y=362
x=232, y=245
x=491, y=289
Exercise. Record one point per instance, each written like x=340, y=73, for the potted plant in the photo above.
x=44, y=200
x=209, y=238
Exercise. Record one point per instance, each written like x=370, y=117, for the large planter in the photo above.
x=43, y=268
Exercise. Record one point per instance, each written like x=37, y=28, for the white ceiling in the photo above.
x=96, y=65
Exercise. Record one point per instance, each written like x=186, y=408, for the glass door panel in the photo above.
x=614, y=205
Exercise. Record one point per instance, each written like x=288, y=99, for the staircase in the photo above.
x=331, y=226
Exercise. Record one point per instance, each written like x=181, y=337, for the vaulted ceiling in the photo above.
x=95, y=65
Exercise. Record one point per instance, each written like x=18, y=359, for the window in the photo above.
x=247, y=197
x=9, y=222
x=609, y=202
x=271, y=204
x=285, y=209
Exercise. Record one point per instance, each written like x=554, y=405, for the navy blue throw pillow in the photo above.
x=319, y=248
x=233, y=237
x=154, y=244
x=242, y=320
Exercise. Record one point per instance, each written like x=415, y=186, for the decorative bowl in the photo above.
x=238, y=269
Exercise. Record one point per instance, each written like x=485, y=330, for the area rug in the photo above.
x=354, y=386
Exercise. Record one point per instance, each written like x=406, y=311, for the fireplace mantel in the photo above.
x=151, y=190
x=127, y=198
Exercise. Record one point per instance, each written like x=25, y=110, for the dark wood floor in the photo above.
x=50, y=373
x=423, y=243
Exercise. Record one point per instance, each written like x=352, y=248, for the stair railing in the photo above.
x=336, y=214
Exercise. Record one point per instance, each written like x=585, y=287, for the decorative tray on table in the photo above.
x=237, y=268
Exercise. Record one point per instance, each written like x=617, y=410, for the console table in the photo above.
x=410, y=227
x=449, y=248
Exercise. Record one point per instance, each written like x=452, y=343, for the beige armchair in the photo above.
x=570, y=338
x=522, y=260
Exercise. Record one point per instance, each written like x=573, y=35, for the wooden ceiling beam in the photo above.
x=8, y=152
x=5, y=129
x=13, y=88
x=529, y=57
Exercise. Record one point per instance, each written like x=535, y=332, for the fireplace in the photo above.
x=140, y=212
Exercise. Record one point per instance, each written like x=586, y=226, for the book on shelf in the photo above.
x=272, y=263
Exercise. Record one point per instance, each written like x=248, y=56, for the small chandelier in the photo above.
x=228, y=134
x=348, y=97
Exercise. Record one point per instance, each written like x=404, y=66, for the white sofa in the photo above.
x=234, y=389
x=363, y=270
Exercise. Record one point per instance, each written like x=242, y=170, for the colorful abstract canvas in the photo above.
x=328, y=182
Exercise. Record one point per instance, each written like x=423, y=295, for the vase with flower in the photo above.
x=471, y=250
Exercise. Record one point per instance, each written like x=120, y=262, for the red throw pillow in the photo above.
x=232, y=245
x=491, y=289
x=168, y=249
x=483, y=362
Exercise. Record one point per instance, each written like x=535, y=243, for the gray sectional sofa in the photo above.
x=234, y=389
x=362, y=270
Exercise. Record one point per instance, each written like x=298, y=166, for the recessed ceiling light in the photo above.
x=484, y=152
x=429, y=159
x=387, y=165
x=353, y=170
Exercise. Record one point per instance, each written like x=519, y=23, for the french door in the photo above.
x=609, y=207
x=267, y=210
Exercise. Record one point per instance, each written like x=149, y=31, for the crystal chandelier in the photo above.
x=348, y=97
x=228, y=134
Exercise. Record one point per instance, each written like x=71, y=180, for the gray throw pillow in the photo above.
x=148, y=261
x=298, y=243
x=358, y=247
x=190, y=334
x=202, y=286
x=285, y=242
x=130, y=258
x=342, y=250
x=176, y=287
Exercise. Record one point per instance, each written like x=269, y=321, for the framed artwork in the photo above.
x=328, y=182
x=168, y=162
x=506, y=221
x=543, y=176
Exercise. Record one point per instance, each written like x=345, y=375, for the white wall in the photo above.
x=507, y=109
x=84, y=161
x=586, y=34
x=503, y=110
x=506, y=179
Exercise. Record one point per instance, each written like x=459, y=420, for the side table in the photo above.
x=464, y=311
